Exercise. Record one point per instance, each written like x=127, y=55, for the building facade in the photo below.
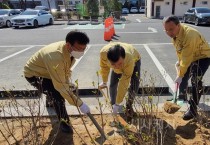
x=54, y=4
x=162, y=8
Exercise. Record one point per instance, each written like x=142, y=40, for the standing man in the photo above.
x=49, y=71
x=193, y=54
x=124, y=60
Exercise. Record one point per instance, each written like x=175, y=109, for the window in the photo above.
x=184, y=3
x=204, y=2
x=12, y=12
x=167, y=3
x=189, y=11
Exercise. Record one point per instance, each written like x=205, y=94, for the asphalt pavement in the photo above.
x=147, y=35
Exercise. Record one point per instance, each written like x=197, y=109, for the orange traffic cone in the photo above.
x=107, y=36
x=112, y=26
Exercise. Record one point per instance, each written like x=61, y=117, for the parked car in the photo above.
x=125, y=11
x=32, y=18
x=142, y=9
x=197, y=15
x=42, y=8
x=6, y=15
x=134, y=10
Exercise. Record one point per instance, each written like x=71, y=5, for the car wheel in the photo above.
x=51, y=21
x=196, y=22
x=36, y=24
x=8, y=23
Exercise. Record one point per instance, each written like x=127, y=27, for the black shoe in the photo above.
x=190, y=114
x=65, y=127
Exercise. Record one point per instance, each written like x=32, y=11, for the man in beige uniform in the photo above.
x=193, y=54
x=49, y=71
x=124, y=60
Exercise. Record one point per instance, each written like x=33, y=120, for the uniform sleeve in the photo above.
x=59, y=73
x=124, y=81
x=186, y=55
x=104, y=68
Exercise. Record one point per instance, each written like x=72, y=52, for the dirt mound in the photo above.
x=171, y=107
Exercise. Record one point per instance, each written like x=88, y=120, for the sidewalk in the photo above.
x=35, y=107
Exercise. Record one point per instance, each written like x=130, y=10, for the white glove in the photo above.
x=84, y=108
x=177, y=66
x=178, y=80
x=115, y=108
x=102, y=85
x=72, y=86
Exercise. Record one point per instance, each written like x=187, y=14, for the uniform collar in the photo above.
x=180, y=34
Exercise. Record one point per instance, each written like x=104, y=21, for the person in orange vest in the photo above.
x=125, y=62
x=193, y=54
x=48, y=70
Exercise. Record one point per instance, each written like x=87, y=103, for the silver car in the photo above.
x=6, y=15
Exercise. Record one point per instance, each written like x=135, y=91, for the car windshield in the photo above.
x=3, y=12
x=29, y=13
x=203, y=10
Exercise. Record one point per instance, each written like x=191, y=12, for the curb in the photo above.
x=10, y=112
x=83, y=92
x=88, y=92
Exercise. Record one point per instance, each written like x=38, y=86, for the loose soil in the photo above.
x=178, y=131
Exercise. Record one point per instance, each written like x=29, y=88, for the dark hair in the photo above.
x=171, y=18
x=77, y=36
x=115, y=52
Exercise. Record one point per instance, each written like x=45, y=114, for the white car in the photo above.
x=6, y=15
x=142, y=9
x=134, y=10
x=125, y=11
x=32, y=18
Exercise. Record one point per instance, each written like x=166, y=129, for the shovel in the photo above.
x=172, y=106
x=97, y=125
x=95, y=122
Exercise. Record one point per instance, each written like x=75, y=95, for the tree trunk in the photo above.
x=48, y=1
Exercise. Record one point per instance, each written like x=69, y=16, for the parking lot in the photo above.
x=147, y=35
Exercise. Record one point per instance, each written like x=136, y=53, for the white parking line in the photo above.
x=163, y=72
x=5, y=58
x=152, y=29
x=138, y=20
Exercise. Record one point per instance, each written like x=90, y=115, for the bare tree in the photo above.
x=49, y=6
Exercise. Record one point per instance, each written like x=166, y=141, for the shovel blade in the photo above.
x=179, y=102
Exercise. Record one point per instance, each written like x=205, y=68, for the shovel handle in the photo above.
x=97, y=125
x=176, y=92
x=176, y=87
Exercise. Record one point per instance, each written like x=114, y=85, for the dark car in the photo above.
x=197, y=15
